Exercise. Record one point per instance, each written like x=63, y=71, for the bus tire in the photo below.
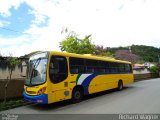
x=77, y=95
x=120, y=85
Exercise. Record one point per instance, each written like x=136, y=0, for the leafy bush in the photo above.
x=154, y=69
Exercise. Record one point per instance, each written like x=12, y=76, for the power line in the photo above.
x=8, y=29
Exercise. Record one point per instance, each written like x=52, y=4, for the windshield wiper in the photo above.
x=35, y=65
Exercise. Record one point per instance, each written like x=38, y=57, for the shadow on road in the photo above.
x=58, y=105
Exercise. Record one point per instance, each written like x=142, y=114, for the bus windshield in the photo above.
x=36, y=69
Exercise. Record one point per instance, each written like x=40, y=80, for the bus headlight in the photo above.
x=42, y=90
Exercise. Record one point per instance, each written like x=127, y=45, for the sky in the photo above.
x=33, y=25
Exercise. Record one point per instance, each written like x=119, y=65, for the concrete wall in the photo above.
x=15, y=88
x=138, y=77
x=18, y=72
x=141, y=71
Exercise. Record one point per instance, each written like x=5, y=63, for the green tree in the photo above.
x=101, y=51
x=73, y=44
x=140, y=61
x=12, y=62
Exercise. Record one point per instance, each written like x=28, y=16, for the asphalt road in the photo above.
x=141, y=97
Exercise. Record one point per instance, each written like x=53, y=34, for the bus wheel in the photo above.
x=77, y=95
x=120, y=85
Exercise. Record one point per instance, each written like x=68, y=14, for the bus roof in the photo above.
x=88, y=56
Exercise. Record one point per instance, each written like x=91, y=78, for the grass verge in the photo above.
x=12, y=104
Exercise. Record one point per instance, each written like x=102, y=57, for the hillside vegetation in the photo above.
x=145, y=53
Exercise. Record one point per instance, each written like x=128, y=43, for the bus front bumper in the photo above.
x=41, y=99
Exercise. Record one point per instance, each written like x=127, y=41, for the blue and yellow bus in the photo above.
x=57, y=76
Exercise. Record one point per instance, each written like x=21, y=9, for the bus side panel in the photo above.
x=127, y=79
x=59, y=91
x=63, y=90
x=102, y=82
x=51, y=93
x=106, y=82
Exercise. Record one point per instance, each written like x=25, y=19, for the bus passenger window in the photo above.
x=76, y=65
x=58, y=70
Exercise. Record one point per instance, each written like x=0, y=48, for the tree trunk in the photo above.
x=6, y=85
